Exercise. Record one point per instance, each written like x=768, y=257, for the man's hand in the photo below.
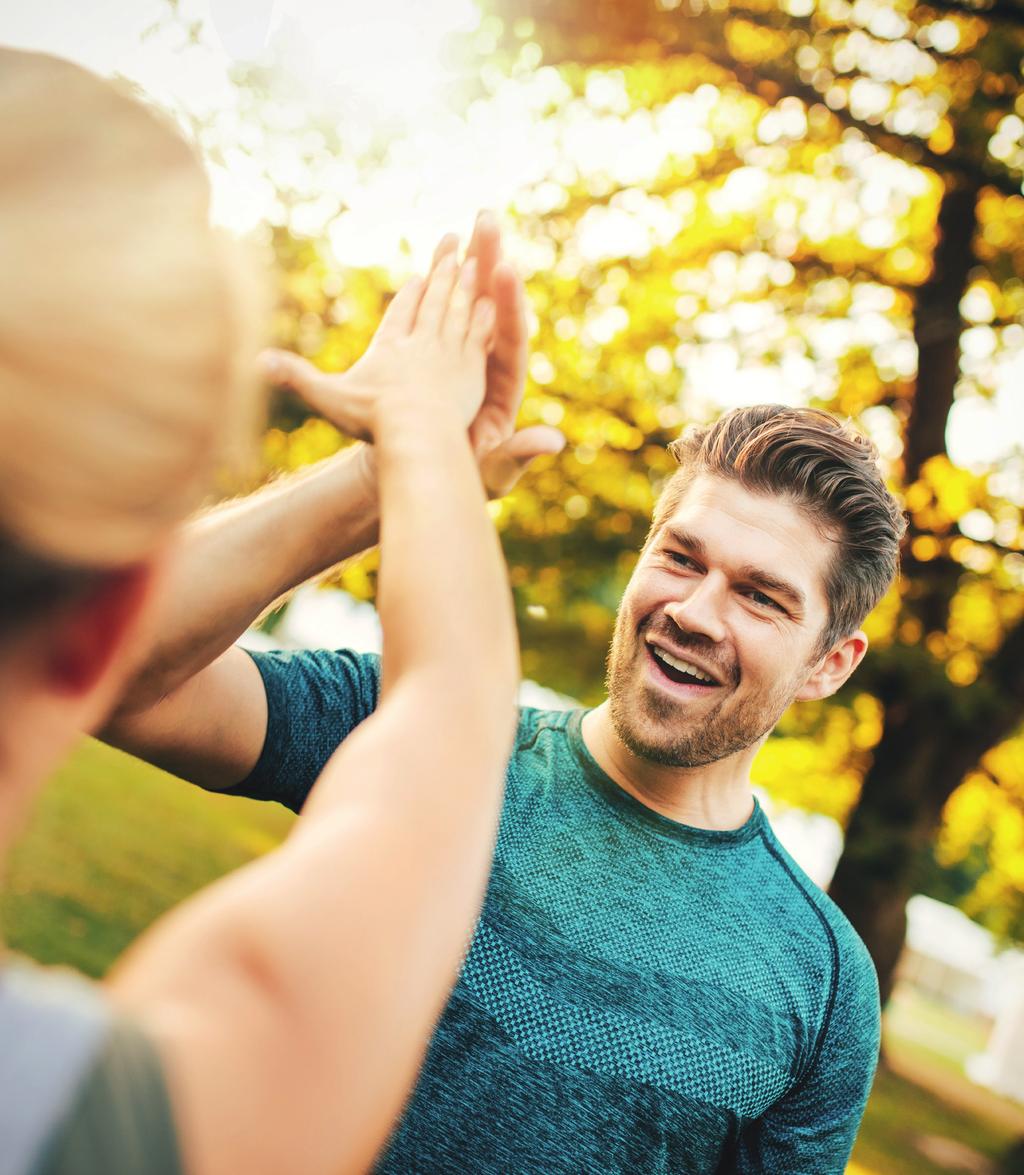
x=502, y=453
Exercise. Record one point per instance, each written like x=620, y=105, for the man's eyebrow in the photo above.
x=771, y=583
x=689, y=541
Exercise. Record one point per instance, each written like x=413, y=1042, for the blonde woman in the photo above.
x=274, y=1023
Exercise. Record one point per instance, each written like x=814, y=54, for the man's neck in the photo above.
x=714, y=796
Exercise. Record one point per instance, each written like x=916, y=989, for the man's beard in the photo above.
x=654, y=726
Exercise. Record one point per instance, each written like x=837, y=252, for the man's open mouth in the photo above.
x=679, y=670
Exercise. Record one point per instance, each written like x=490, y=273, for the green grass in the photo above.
x=900, y=1113
x=111, y=845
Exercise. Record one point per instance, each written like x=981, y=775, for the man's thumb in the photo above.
x=503, y=466
x=282, y=367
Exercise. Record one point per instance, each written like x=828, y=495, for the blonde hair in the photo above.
x=127, y=324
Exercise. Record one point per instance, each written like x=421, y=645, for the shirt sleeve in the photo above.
x=315, y=699
x=811, y=1130
x=121, y=1118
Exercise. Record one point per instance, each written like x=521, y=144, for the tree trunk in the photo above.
x=920, y=759
x=937, y=324
x=917, y=765
x=935, y=733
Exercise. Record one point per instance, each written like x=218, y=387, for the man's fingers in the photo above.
x=434, y=305
x=481, y=323
x=485, y=248
x=510, y=309
x=284, y=367
x=324, y=392
x=503, y=466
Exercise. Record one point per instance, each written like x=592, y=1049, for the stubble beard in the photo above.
x=655, y=727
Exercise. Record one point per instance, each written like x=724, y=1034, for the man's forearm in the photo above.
x=234, y=561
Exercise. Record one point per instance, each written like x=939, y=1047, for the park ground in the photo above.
x=113, y=844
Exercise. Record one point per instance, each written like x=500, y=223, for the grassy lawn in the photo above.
x=901, y=1117
x=114, y=843
x=925, y=1037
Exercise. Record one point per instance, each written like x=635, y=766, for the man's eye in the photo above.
x=764, y=601
x=681, y=559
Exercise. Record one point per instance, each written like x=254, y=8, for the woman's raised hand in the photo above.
x=431, y=345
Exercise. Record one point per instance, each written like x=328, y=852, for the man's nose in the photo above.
x=701, y=609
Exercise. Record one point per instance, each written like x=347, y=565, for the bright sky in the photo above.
x=382, y=72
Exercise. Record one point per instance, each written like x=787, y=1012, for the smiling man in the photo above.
x=654, y=985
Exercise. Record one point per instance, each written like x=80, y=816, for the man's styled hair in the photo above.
x=822, y=466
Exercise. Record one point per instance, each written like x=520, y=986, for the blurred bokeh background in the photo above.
x=714, y=202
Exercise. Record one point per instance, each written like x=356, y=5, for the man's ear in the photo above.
x=90, y=635
x=834, y=668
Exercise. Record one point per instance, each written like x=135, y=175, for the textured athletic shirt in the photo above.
x=640, y=996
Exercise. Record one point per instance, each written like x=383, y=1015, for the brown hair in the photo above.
x=828, y=470
x=128, y=330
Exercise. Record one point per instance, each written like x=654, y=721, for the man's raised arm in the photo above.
x=197, y=704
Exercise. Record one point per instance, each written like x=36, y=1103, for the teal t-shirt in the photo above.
x=639, y=995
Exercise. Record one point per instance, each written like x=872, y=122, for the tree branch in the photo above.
x=999, y=10
x=685, y=37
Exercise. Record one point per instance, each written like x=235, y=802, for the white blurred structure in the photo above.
x=959, y=963
x=1001, y=1065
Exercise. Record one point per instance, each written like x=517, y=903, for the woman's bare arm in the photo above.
x=292, y=1002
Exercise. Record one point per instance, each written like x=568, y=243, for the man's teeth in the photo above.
x=683, y=666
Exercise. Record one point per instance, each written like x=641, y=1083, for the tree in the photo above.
x=937, y=86
x=817, y=201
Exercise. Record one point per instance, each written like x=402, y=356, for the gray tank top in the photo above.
x=81, y=1089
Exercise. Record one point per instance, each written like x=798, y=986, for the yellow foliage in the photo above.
x=736, y=238
x=753, y=43
x=974, y=618
x=987, y=812
x=311, y=441
x=821, y=771
x=955, y=490
x=962, y=668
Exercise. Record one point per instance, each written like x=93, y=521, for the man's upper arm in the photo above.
x=811, y=1131
x=313, y=700
x=210, y=730
x=257, y=724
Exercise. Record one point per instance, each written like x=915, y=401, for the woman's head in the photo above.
x=125, y=334
x=127, y=341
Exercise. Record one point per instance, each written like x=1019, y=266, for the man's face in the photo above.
x=718, y=628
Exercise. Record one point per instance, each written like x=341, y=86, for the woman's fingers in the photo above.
x=400, y=316
x=437, y=295
x=449, y=243
x=460, y=305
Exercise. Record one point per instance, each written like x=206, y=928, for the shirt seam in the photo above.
x=543, y=724
x=834, y=951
